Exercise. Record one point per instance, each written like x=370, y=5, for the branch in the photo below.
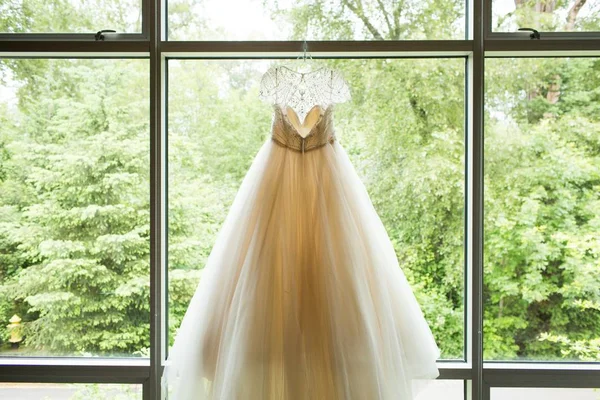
x=385, y=15
x=358, y=10
x=572, y=17
x=397, y=11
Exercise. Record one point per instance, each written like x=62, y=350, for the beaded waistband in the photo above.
x=302, y=148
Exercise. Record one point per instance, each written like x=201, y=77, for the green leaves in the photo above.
x=82, y=229
x=541, y=229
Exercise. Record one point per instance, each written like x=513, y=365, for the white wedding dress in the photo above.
x=302, y=296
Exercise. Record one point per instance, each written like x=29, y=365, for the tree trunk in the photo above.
x=573, y=12
x=549, y=6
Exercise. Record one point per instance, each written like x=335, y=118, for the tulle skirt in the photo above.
x=302, y=296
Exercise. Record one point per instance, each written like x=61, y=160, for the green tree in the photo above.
x=77, y=208
x=74, y=177
x=59, y=16
x=543, y=211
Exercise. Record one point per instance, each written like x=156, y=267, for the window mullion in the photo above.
x=366, y=48
x=475, y=92
x=532, y=48
x=559, y=376
x=75, y=371
x=157, y=205
x=72, y=48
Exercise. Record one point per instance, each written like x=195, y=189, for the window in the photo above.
x=62, y=391
x=119, y=159
x=444, y=389
x=541, y=251
x=315, y=20
x=544, y=394
x=405, y=137
x=74, y=226
x=86, y=16
x=547, y=16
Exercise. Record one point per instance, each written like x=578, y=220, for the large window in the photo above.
x=70, y=16
x=74, y=201
x=316, y=20
x=65, y=391
x=544, y=394
x=546, y=15
x=542, y=208
x=216, y=126
x=120, y=155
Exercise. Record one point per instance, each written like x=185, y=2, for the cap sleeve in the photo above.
x=340, y=90
x=268, y=86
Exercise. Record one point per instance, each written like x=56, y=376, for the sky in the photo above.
x=243, y=19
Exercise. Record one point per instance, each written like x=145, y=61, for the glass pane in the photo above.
x=74, y=208
x=444, y=389
x=403, y=130
x=542, y=209
x=69, y=391
x=316, y=20
x=546, y=15
x=70, y=16
x=544, y=394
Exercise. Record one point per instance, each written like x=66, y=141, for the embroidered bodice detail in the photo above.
x=284, y=132
x=299, y=96
x=302, y=90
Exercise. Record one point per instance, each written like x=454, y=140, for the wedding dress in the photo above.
x=302, y=296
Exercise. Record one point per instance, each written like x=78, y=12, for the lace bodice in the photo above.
x=302, y=90
x=288, y=132
x=303, y=104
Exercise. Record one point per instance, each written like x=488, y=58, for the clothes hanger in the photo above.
x=305, y=67
x=307, y=63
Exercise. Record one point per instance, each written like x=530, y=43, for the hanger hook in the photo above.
x=305, y=48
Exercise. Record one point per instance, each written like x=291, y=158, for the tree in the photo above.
x=74, y=178
x=78, y=214
x=549, y=16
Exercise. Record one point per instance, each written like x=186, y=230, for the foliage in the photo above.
x=74, y=182
x=76, y=224
x=542, y=254
x=70, y=16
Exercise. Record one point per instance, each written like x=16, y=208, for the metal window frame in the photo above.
x=490, y=35
x=480, y=43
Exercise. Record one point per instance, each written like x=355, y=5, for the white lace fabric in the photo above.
x=301, y=91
